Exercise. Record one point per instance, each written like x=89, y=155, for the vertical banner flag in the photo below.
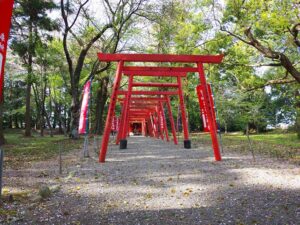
x=6, y=7
x=115, y=124
x=84, y=108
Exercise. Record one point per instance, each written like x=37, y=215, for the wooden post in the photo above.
x=171, y=120
x=211, y=123
x=187, y=142
x=165, y=127
x=111, y=110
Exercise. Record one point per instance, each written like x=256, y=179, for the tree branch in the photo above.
x=254, y=65
x=294, y=32
x=269, y=53
x=273, y=82
x=77, y=14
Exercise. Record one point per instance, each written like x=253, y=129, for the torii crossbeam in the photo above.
x=178, y=72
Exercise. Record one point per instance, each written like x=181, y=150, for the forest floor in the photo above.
x=153, y=182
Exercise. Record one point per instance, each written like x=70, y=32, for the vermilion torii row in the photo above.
x=160, y=72
x=160, y=122
x=146, y=112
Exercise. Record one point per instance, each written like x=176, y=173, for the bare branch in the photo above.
x=234, y=35
x=269, y=53
x=79, y=41
x=77, y=14
x=254, y=65
x=283, y=80
x=65, y=37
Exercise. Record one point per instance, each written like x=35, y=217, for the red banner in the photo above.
x=6, y=7
x=83, y=120
x=115, y=124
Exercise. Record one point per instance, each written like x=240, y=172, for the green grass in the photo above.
x=274, y=144
x=20, y=148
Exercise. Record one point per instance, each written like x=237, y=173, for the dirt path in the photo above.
x=154, y=182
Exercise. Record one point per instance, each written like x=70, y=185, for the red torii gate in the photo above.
x=155, y=105
x=178, y=72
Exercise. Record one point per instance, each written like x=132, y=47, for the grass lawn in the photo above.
x=19, y=148
x=279, y=145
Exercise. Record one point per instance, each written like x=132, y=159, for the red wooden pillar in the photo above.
x=155, y=123
x=164, y=121
x=212, y=124
x=111, y=110
x=121, y=124
x=123, y=141
x=187, y=142
x=152, y=125
x=171, y=120
x=149, y=126
x=160, y=122
x=144, y=127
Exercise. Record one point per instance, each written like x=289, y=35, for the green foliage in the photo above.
x=31, y=19
x=274, y=144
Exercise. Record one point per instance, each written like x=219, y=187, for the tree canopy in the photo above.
x=54, y=45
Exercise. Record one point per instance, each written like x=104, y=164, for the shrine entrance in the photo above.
x=135, y=128
x=143, y=111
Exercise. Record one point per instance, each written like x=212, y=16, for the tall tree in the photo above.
x=271, y=29
x=30, y=25
x=118, y=15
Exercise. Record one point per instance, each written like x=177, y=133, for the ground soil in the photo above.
x=154, y=182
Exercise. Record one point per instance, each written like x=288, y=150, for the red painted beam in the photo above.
x=160, y=58
x=140, y=84
x=140, y=111
x=155, y=73
x=142, y=106
x=144, y=99
x=161, y=69
x=135, y=112
x=149, y=92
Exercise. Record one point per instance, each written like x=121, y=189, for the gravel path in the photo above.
x=153, y=182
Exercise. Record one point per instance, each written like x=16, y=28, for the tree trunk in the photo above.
x=48, y=121
x=10, y=122
x=42, y=125
x=27, y=113
x=28, y=88
x=68, y=121
x=60, y=123
x=102, y=95
x=298, y=122
x=98, y=109
x=16, y=122
x=297, y=106
x=2, y=139
x=75, y=113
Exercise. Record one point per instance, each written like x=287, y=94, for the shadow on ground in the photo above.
x=153, y=182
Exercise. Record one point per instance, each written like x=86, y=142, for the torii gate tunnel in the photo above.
x=147, y=106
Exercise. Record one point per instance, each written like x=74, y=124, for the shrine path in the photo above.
x=153, y=182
